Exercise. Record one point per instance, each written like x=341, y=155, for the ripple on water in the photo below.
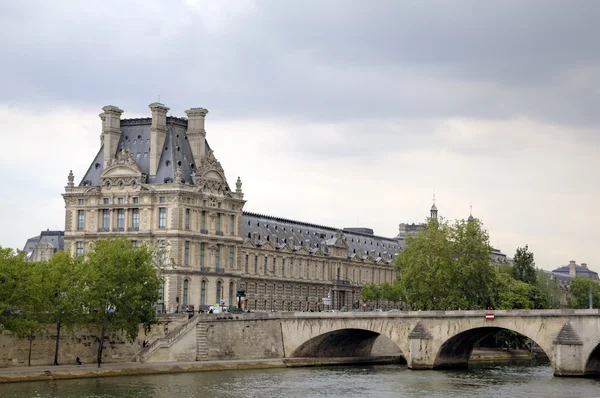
x=347, y=382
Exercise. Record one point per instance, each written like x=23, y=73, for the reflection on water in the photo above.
x=487, y=381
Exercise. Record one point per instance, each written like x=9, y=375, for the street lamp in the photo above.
x=241, y=292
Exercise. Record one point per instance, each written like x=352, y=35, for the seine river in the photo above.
x=357, y=381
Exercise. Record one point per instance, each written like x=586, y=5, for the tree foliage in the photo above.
x=122, y=288
x=550, y=289
x=447, y=266
x=115, y=287
x=524, y=266
x=580, y=289
x=65, y=294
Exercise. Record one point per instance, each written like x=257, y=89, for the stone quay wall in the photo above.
x=82, y=343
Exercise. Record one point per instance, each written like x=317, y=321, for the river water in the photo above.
x=353, y=381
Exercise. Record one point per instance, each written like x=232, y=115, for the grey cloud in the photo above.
x=323, y=60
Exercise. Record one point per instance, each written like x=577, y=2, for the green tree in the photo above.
x=447, y=266
x=550, y=288
x=20, y=296
x=64, y=292
x=392, y=292
x=424, y=267
x=512, y=294
x=580, y=289
x=122, y=288
x=524, y=266
x=371, y=293
x=473, y=271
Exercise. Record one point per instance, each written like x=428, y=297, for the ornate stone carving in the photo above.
x=92, y=219
x=178, y=175
x=145, y=219
x=71, y=179
x=212, y=201
x=209, y=162
x=123, y=157
x=209, y=175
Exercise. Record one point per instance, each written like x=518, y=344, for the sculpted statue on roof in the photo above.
x=124, y=156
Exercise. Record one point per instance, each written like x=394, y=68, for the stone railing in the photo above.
x=204, y=269
x=220, y=270
x=168, y=340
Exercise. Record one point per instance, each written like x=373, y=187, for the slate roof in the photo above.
x=313, y=236
x=135, y=136
x=580, y=271
x=55, y=238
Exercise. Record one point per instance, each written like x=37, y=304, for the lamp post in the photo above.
x=591, y=300
x=241, y=292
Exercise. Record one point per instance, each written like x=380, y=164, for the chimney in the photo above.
x=401, y=228
x=572, y=270
x=158, y=132
x=196, y=133
x=111, y=132
x=584, y=265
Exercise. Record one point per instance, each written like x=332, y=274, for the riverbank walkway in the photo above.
x=50, y=372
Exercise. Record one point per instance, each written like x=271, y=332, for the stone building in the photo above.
x=157, y=181
x=43, y=246
x=575, y=270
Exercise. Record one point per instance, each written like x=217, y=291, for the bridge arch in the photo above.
x=456, y=351
x=592, y=365
x=347, y=342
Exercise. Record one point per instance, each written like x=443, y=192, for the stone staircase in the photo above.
x=166, y=341
x=201, y=341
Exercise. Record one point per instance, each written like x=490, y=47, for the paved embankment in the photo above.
x=34, y=373
x=15, y=374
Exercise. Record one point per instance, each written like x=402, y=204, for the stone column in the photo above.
x=569, y=359
x=421, y=355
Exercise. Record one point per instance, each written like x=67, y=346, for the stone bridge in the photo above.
x=427, y=339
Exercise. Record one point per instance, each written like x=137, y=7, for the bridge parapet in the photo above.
x=427, y=339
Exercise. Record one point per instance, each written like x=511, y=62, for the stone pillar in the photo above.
x=572, y=269
x=111, y=132
x=569, y=359
x=421, y=355
x=158, y=132
x=196, y=133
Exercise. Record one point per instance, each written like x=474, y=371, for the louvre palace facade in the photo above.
x=157, y=181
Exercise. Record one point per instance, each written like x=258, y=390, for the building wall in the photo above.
x=197, y=221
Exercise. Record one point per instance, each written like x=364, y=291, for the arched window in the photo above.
x=203, y=293
x=231, y=295
x=185, y=292
x=219, y=289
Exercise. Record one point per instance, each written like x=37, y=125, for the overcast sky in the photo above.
x=335, y=112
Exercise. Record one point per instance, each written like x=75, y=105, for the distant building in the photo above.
x=43, y=246
x=574, y=270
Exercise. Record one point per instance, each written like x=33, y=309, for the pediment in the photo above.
x=122, y=170
x=213, y=175
x=248, y=243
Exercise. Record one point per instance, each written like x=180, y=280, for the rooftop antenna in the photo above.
x=471, y=209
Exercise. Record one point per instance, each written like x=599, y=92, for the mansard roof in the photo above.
x=580, y=271
x=54, y=238
x=135, y=136
x=314, y=236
